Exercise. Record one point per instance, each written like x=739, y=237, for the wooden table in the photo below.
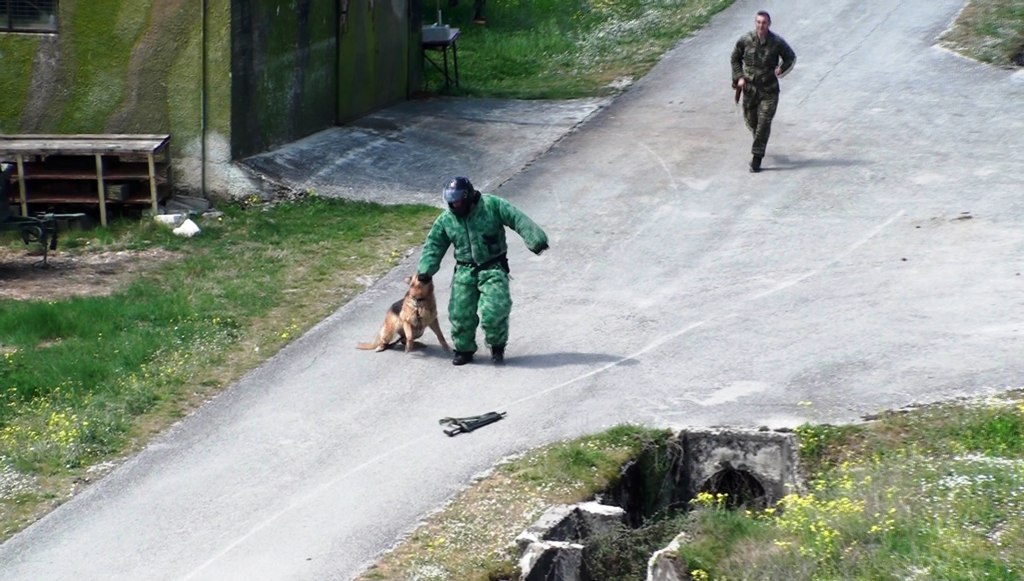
x=89, y=169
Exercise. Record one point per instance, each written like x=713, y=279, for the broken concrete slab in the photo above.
x=551, y=548
x=552, y=561
x=667, y=565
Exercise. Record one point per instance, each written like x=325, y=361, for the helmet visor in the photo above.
x=453, y=195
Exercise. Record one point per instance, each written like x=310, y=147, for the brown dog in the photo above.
x=409, y=317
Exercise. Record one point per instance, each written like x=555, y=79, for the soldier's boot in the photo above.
x=498, y=354
x=462, y=357
x=755, y=164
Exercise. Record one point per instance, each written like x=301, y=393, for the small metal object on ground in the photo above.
x=457, y=426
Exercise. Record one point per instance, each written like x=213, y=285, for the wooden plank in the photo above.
x=152, y=184
x=75, y=174
x=141, y=145
x=102, y=192
x=86, y=144
x=89, y=200
x=21, y=186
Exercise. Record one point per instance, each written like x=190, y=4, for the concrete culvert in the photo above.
x=624, y=533
x=741, y=488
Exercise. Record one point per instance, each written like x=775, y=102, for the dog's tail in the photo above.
x=378, y=345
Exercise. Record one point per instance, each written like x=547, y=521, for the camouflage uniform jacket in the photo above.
x=479, y=238
x=756, y=60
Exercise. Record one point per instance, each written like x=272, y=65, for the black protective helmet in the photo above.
x=458, y=189
x=461, y=196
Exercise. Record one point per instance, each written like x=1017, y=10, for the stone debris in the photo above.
x=665, y=565
x=749, y=468
x=550, y=548
x=187, y=229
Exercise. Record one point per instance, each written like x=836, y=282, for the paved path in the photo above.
x=876, y=263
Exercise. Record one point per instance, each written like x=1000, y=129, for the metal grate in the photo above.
x=28, y=15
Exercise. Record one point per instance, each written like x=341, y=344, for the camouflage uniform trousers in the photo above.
x=487, y=292
x=758, y=111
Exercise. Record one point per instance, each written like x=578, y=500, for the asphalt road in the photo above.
x=876, y=263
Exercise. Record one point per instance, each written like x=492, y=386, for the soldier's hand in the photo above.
x=742, y=82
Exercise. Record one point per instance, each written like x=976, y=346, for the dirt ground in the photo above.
x=24, y=277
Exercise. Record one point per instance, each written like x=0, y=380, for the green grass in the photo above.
x=934, y=493
x=82, y=379
x=557, y=49
x=931, y=493
x=470, y=538
x=991, y=31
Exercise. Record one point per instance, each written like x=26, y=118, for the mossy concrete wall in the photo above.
x=379, y=62
x=126, y=66
x=284, y=58
x=247, y=74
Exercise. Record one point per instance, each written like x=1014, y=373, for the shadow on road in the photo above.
x=421, y=350
x=562, y=359
x=784, y=162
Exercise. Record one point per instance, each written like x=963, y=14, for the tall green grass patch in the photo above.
x=931, y=493
x=991, y=31
x=547, y=49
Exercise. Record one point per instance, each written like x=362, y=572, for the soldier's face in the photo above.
x=761, y=25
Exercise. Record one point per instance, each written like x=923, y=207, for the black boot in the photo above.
x=462, y=357
x=755, y=164
x=498, y=354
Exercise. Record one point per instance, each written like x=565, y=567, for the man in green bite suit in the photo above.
x=474, y=224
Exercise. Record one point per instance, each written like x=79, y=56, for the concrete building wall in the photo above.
x=379, y=49
x=226, y=78
x=284, y=63
x=125, y=66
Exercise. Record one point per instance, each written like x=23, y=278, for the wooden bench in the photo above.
x=89, y=169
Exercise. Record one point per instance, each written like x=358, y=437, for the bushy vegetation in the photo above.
x=934, y=493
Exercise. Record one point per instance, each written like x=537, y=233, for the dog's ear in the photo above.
x=424, y=278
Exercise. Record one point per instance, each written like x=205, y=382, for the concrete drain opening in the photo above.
x=741, y=489
x=588, y=541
